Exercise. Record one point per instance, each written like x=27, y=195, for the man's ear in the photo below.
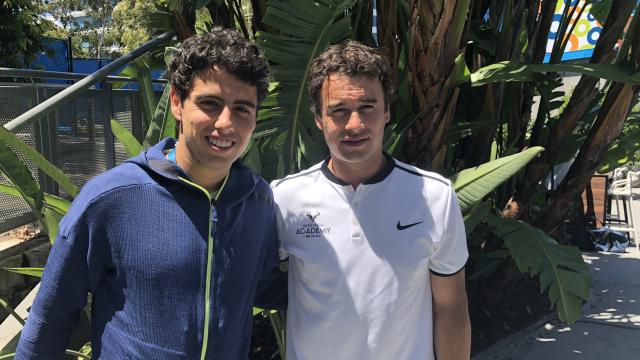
x=319, y=122
x=176, y=104
x=387, y=115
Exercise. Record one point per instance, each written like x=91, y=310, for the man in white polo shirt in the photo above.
x=376, y=247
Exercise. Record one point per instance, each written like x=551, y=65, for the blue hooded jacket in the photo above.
x=173, y=273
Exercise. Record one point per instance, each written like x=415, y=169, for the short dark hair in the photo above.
x=350, y=58
x=225, y=48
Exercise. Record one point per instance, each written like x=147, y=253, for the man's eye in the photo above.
x=209, y=104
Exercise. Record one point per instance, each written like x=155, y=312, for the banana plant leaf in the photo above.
x=474, y=216
x=203, y=21
x=31, y=271
x=163, y=124
x=509, y=71
x=560, y=268
x=52, y=219
x=57, y=204
x=304, y=29
x=43, y=164
x=17, y=172
x=622, y=151
x=131, y=145
x=473, y=184
x=140, y=70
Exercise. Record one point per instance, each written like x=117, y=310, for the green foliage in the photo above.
x=560, y=268
x=133, y=21
x=301, y=31
x=17, y=172
x=140, y=69
x=163, y=123
x=508, y=71
x=131, y=145
x=37, y=272
x=93, y=35
x=472, y=185
x=600, y=9
x=626, y=148
x=22, y=32
x=45, y=165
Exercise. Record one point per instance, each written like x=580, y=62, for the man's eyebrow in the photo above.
x=335, y=105
x=369, y=100
x=246, y=103
x=204, y=97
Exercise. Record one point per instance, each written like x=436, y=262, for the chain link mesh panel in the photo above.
x=14, y=101
x=78, y=136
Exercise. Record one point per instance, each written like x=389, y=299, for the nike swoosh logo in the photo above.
x=402, y=227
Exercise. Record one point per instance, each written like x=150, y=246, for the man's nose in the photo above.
x=224, y=119
x=354, y=122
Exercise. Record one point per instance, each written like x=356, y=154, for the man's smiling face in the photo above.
x=216, y=120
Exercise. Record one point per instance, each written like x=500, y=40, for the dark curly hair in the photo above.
x=225, y=48
x=350, y=58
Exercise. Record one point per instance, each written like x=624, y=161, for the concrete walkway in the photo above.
x=608, y=329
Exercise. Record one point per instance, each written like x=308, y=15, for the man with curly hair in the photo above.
x=179, y=243
x=376, y=247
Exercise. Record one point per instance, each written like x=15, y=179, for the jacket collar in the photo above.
x=241, y=182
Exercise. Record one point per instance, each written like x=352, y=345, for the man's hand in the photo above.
x=451, y=325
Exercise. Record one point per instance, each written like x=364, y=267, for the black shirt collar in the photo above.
x=378, y=177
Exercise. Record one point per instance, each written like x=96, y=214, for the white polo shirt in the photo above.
x=359, y=261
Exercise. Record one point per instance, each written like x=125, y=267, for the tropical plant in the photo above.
x=21, y=32
x=467, y=75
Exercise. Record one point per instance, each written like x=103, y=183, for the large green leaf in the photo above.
x=53, y=202
x=477, y=214
x=131, y=145
x=624, y=150
x=509, y=71
x=31, y=271
x=304, y=29
x=140, y=70
x=560, y=268
x=47, y=167
x=52, y=219
x=473, y=184
x=51, y=213
x=203, y=21
x=600, y=9
x=17, y=172
x=163, y=123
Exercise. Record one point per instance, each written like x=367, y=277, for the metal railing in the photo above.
x=69, y=124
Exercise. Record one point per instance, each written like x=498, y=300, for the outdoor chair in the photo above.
x=634, y=178
x=621, y=192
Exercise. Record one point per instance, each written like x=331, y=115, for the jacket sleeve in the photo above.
x=271, y=292
x=63, y=291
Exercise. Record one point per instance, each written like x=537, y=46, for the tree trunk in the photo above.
x=579, y=104
x=436, y=29
x=608, y=126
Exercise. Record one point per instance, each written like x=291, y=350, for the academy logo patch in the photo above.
x=312, y=229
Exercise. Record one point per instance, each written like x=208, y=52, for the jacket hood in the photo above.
x=241, y=183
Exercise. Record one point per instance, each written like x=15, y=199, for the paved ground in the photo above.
x=609, y=327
